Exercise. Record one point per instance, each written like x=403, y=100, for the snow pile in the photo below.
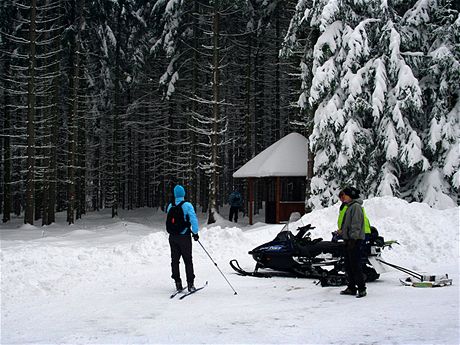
x=109, y=283
x=55, y=265
x=425, y=235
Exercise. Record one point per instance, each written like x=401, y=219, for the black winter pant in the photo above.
x=233, y=213
x=181, y=245
x=353, y=264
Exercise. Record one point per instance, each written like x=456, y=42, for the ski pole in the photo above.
x=215, y=264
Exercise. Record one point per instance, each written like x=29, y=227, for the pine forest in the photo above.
x=107, y=104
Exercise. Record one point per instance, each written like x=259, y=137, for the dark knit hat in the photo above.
x=352, y=192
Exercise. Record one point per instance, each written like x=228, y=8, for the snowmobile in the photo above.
x=301, y=256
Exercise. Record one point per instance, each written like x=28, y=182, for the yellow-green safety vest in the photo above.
x=367, y=225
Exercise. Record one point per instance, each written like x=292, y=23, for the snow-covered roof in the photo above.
x=286, y=157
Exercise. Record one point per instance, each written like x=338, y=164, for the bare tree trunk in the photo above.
x=216, y=99
x=278, y=130
x=6, y=156
x=54, y=125
x=31, y=101
x=131, y=147
x=81, y=160
x=51, y=213
x=46, y=155
x=73, y=119
x=116, y=119
x=193, y=137
x=51, y=115
x=248, y=117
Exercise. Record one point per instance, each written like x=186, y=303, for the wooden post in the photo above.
x=277, y=200
x=251, y=199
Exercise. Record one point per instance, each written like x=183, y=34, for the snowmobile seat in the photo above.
x=326, y=247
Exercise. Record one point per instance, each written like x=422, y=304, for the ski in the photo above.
x=192, y=292
x=176, y=293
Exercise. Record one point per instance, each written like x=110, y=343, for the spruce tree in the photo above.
x=371, y=63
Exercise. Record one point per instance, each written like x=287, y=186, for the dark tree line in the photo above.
x=108, y=104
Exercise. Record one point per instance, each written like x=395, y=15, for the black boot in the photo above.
x=361, y=293
x=179, y=286
x=190, y=286
x=348, y=291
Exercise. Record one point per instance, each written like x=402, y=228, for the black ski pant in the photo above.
x=353, y=264
x=181, y=246
x=233, y=213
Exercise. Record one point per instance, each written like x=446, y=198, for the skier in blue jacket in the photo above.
x=181, y=243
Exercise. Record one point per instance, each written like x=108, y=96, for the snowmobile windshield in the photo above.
x=293, y=219
x=291, y=227
x=283, y=236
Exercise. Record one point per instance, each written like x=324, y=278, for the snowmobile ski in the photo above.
x=240, y=271
x=236, y=266
x=177, y=292
x=192, y=292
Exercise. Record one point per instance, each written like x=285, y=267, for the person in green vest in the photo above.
x=352, y=227
x=343, y=208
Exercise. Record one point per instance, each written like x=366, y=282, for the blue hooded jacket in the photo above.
x=179, y=194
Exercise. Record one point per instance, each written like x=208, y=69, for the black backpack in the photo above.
x=175, y=222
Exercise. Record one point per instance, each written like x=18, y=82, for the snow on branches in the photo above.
x=385, y=89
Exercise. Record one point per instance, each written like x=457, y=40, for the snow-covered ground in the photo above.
x=105, y=281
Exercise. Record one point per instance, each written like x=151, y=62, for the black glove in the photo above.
x=195, y=237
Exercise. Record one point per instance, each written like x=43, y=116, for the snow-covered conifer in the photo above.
x=342, y=98
x=434, y=26
x=384, y=88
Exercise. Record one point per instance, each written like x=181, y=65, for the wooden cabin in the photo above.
x=282, y=167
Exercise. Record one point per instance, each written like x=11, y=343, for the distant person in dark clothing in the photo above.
x=236, y=202
x=180, y=241
x=352, y=229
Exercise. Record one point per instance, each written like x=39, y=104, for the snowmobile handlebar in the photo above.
x=303, y=230
x=306, y=227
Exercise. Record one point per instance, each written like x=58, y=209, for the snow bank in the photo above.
x=55, y=266
x=95, y=284
x=426, y=235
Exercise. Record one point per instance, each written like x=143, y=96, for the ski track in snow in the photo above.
x=108, y=282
